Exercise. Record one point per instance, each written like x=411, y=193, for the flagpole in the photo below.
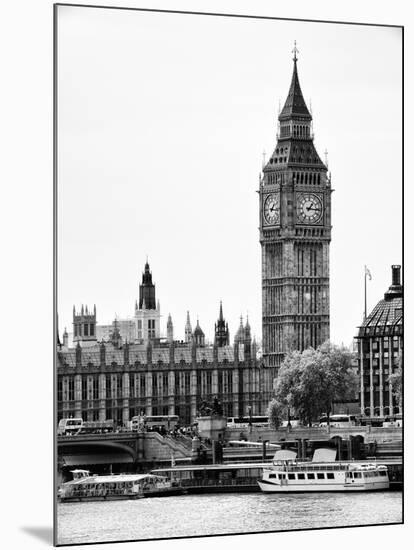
x=365, y=293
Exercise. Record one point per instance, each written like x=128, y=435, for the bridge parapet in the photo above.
x=141, y=447
x=368, y=433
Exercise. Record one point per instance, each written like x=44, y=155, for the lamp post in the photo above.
x=249, y=410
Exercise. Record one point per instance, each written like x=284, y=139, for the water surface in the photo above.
x=192, y=515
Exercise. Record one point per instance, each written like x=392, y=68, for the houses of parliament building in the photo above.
x=136, y=370
x=115, y=371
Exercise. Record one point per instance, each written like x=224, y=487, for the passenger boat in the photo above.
x=86, y=487
x=323, y=473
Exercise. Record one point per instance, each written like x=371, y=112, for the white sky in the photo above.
x=163, y=119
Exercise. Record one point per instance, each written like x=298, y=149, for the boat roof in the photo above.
x=324, y=455
x=229, y=466
x=285, y=454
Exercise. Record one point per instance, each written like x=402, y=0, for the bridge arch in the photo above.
x=87, y=452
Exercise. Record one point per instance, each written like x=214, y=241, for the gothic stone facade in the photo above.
x=106, y=381
x=295, y=232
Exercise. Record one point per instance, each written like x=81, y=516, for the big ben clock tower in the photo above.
x=295, y=232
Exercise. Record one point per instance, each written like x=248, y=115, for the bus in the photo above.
x=97, y=426
x=338, y=420
x=76, y=426
x=294, y=422
x=69, y=426
x=393, y=421
x=246, y=421
x=166, y=422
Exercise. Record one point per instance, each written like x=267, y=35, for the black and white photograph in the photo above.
x=228, y=195
x=229, y=320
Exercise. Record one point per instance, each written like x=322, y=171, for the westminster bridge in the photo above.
x=136, y=451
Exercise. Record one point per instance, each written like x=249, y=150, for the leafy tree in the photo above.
x=309, y=382
x=274, y=412
x=396, y=379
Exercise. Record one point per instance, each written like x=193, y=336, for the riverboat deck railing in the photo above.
x=219, y=482
x=101, y=491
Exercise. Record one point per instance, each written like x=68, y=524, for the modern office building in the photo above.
x=380, y=351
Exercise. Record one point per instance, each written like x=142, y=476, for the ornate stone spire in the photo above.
x=199, y=337
x=188, y=330
x=147, y=290
x=295, y=105
x=221, y=332
x=170, y=329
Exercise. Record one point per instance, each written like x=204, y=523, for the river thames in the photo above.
x=193, y=515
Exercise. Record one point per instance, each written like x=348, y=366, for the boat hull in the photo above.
x=173, y=491
x=268, y=487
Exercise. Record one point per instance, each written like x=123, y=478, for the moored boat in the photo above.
x=86, y=487
x=323, y=473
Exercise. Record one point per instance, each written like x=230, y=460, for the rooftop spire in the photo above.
x=188, y=330
x=295, y=104
x=295, y=51
x=147, y=290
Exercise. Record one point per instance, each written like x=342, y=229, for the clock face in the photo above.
x=309, y=208
x=271, y=209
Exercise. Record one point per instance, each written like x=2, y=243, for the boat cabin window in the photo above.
x=291, y=476
x=320, y=476
x=282, y=476
x=272, y=476
x=301, y=476
x=357, y=475
x=311, y=476
x=330, y=475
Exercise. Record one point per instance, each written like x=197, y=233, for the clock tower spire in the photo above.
x=295, y=232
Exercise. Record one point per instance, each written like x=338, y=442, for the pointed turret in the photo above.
x=198, y=335
x=116, y=338
x=295, y=105
x=239, y=337
x=295, y=139
x=221, y=330
x=247, y=339
x=170, y=329
x=147, y=290
x=188, y=330
x=247, y=333
x=147, y=310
